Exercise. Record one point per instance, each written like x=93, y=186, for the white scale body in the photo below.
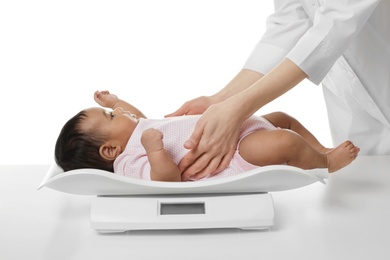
x=122, y=213
x=122, y=203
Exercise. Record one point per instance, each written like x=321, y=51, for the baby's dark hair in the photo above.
x=77, y=149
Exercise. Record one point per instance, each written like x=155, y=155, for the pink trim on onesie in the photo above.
x=246, y=166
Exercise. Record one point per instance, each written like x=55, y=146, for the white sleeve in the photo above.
x=335, y=25
x=284, y=28
x=313, y=47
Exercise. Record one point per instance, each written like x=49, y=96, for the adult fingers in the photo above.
x=201, y=168
x=209, y=164
x=224, y=163
x=210, y=170
x=193, y=141
x=201, y=162
x=183, y=110
x=193, y=107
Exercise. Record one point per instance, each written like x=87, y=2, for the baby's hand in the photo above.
x=105, y=99
x=151, y=139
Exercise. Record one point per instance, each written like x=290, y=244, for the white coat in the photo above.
x=345, y=44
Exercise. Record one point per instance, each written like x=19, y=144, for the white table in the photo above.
x=349, y=218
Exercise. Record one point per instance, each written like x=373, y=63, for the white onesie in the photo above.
x=133, y=162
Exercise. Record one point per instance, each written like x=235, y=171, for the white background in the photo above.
x=155, y=54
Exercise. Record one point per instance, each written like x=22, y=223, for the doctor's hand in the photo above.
x=193, y=107
x=212, y=143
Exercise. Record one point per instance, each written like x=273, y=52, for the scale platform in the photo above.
x=122, y=203
x=123, y=213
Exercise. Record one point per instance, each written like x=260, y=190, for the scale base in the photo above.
x=201, y=211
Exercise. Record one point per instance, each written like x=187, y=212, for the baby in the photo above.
x=125, y=142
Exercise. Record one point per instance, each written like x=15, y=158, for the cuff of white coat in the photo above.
x=314, y=56
x=264, y=57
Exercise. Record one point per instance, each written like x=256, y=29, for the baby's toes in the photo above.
x=354, y=151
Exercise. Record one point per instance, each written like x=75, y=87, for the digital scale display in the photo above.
x=182, y=208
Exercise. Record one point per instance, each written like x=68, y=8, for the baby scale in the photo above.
x=122, y=203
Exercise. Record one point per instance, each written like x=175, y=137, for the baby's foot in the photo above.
x=341, y=156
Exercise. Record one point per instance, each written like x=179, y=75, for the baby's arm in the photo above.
x=105, y=99
x=163, y=168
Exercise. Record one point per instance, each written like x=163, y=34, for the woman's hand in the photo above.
x=105, y=99
x=195, y=106
x=212, y=143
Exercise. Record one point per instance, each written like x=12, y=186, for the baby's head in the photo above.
x=78, y=148
x=94, y=138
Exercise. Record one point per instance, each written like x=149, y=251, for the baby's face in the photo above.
x=118, y=125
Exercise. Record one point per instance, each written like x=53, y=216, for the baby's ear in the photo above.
x=109, y=152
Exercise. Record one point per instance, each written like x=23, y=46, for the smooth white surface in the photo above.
x=346, y=219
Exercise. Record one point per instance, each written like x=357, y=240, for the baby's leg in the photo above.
x=282, y=120
x=281, y=146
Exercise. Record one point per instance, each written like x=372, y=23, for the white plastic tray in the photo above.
x=99, y=182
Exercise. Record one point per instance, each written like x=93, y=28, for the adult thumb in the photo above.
x=194, y=139
x=180, y=112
